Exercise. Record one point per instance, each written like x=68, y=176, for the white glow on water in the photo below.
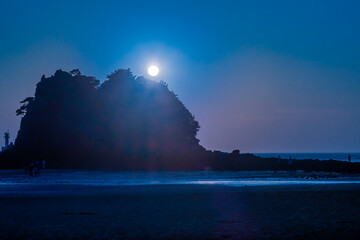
x=243, y=183
x=11, y=179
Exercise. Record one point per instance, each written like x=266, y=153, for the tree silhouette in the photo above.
x=23, y=108
x=127, y=122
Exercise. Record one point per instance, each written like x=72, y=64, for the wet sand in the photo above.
x=327, y=211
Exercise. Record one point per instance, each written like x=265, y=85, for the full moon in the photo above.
x=153, y=70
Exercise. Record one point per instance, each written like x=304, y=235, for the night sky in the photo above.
x=259, y=76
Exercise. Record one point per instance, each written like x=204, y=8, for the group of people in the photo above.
x=33, y=169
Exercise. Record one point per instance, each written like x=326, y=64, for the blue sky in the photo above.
x=260, y=76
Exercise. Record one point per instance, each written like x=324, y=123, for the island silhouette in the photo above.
x=125, y=123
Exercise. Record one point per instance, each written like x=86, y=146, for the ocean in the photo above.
x=14, y=181
x=355, y=156
x=60, y=204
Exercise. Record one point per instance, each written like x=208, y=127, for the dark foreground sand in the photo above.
x=330, y=211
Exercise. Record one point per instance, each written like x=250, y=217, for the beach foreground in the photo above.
x=191, y=211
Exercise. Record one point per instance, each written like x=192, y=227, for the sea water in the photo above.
x=355, y=156
x=12, y=179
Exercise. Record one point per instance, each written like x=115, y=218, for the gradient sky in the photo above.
x=259, y=76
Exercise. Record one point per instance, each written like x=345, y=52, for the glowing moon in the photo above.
x=153, y=70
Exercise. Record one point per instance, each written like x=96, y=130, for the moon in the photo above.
x=153, y=70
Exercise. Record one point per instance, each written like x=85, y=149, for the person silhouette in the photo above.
x=26, y=170
x=31, y=168
x=290, y=164
x=36, y=169
x=277, y=165
x=349, y=158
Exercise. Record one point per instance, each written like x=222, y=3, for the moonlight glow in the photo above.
x=153, y=71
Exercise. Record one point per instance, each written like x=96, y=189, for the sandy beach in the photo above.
x=323, y=211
